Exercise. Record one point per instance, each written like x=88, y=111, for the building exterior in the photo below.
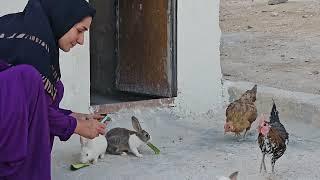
x=199, y=84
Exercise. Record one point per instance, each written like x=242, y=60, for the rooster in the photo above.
x=241, y=113
x=272, y=137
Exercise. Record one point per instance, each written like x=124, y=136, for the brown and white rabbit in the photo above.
x=122, y=140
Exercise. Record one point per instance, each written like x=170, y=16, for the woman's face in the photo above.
x=75, y=35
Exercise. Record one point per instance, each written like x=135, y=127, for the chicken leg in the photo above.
x=244, y=135
x=263, y=164
x=273, y=161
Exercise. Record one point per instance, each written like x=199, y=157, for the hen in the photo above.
x=241, y=113
x=272, y=137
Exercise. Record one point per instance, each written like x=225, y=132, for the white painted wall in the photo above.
x=75, y=70
x=199, y=70
x=75, y=67
x=12, y=6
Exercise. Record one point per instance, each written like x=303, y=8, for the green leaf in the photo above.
x=154, y=148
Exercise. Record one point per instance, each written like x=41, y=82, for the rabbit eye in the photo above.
x=87, y=154
x=147, y=135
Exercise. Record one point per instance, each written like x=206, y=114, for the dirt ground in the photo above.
x=273, y=45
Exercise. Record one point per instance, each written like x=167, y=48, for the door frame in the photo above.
x=173, y=46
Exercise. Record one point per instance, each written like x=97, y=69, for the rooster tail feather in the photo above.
x=254, y=89
x=274, y=115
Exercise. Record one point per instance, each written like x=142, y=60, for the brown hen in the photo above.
x=241, y=113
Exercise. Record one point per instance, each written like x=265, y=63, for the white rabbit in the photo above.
x=93, y=149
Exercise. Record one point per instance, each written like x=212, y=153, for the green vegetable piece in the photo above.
x=77, y=166
x=106, y=118
x=154, y=148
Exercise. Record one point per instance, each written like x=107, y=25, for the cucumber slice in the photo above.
x=154, y=148
x=77, y=166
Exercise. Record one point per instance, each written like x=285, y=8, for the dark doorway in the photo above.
x=133, y=50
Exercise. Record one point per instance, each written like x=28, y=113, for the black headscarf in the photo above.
x=31, y=37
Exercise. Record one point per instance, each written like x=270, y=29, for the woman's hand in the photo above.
x=78, y=116
x=90, y=128
x=97, y=117
x=88, y=125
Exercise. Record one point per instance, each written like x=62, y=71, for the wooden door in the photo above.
x=147, y=47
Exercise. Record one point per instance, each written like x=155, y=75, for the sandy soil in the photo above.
x=277, y=46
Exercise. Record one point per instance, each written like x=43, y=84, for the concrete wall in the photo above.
x=199, y=70
x=12, y=7
x=75, y=68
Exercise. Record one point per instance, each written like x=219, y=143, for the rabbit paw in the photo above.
x=95, y=161
x=124, y=154
x=139, y=155
x=136, y=152
x=101, y=156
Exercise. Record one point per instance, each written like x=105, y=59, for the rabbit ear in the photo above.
x=234, y=176
x=82, y=141
x=136, y=124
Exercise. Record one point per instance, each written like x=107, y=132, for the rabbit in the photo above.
x=93, y=149
x=122, y=140
x=233, y=176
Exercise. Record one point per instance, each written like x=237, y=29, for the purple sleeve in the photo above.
x=61, y=124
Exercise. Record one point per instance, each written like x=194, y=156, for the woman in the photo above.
x=30, y=86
